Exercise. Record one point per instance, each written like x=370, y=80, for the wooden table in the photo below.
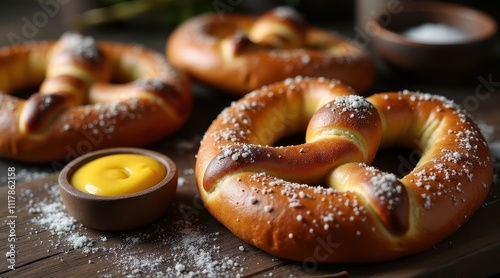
x=187, y=238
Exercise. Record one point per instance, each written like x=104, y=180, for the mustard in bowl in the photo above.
x=119, y=188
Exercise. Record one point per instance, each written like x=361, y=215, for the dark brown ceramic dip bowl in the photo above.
x=430, y=58
x=117, y=213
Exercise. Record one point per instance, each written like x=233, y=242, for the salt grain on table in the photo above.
x=196, y=253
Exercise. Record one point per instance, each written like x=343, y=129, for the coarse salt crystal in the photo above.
x=181, y=181
x=180, y=267
x=253, y=200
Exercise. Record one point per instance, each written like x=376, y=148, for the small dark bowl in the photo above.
x=430, y=59
x=116, y=213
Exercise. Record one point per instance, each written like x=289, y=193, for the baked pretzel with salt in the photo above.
x=272, y=197
x=92, y=95
x=240, y=53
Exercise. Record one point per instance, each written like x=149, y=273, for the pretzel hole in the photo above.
x=291, y=140
x=118, y=80
x=396, y=160
x=124, y=72
x=25, y=93
x=221, y=31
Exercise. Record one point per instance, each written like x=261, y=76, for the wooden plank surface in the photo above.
x=187, y=235
x=188, y=240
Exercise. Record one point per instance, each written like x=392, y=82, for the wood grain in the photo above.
x=473, y=250
x=156, y=249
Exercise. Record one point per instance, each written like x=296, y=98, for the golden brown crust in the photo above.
x=77, y=108
x=272, y=197
x=238, y=53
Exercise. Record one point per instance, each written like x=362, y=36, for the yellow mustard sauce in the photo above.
x=118, y=174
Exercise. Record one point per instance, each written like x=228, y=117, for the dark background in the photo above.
x=18, y=23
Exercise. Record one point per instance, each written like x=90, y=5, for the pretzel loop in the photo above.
x=281, y=28
x=337, y=138
x=324, y=189
x=240, y=53
x=92, y=94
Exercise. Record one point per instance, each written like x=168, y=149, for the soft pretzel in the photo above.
x=272, y=197
x=91, y=96
x=240, y=53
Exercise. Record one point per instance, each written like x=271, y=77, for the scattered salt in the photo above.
x=305, y=59
x=189, y=171
x=267, y=208
x=181, y=181
x=79, y=241
x=82, y=47
x=24, y=175
x=253, y=200
x=54, y=218
x=180, y=267
x=195, y=253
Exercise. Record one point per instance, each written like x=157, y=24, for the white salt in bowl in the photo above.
x=434, y=39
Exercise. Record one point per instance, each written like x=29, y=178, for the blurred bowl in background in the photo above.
x=434, y=39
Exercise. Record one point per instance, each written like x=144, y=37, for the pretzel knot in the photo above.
x=320, y=201
x=91, y=96
x=240, y=53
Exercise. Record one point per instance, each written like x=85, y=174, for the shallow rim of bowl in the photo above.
x=66, y=173
x=437, y=7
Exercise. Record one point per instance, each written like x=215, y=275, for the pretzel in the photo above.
x=273, y=198
x=91, y=96
x=240, y=53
